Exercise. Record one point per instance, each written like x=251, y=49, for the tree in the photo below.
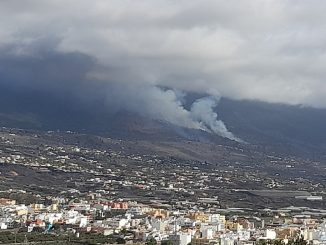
x=298, y=241
x=120, y=240
x=151, y=241
x=166, y=242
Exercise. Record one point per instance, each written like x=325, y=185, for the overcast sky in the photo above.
x=270, y=50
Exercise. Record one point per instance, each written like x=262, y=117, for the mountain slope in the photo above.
x=287, y=127
x=283, y=128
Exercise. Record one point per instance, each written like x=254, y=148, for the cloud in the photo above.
x=272, y=50
x=39, y=72
x=268, y=50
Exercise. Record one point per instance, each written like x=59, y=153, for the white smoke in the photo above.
x=203, y=113
x=168, y=105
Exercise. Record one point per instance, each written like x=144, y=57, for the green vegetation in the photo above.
x=151, y=241
x=297, y=241
x=85, y=238
x=166, y=242
x=9, y=237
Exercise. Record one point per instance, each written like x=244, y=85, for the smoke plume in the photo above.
x=44, y=73
x=168, y=105
x=202, y=112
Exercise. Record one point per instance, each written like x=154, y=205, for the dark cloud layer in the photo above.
x=268, y=50
x=64, y=77
x=120, y=53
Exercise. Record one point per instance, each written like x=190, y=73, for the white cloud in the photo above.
x=271, y=50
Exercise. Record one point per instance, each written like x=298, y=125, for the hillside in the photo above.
x=273, y=127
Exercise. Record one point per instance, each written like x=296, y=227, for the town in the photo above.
x=66, y=187
x=162, y=122
x=93, y=220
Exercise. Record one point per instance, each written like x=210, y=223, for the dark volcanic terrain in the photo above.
x=287, y=130
x=166, y=172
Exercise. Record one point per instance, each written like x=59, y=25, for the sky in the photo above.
x=128, y=52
